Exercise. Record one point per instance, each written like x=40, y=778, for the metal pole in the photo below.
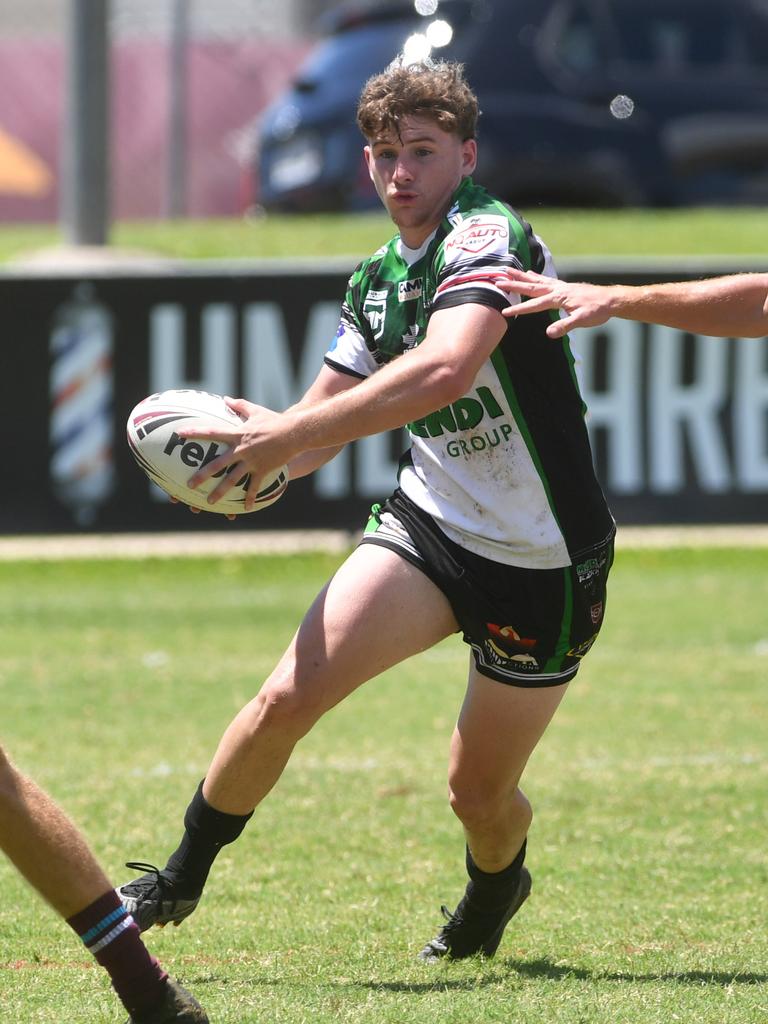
x=85, y=146
x=176, y=167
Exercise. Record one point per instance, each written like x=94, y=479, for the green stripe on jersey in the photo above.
x=523, y=247
x=566, y=343
x=502, y=372
x=555, y=663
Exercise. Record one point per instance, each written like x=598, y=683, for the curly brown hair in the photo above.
x=435, y=90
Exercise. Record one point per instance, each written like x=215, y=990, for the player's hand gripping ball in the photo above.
x=169, y=460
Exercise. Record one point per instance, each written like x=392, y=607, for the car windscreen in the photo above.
x=666, y=37
x=363, y=49
x=357, y=53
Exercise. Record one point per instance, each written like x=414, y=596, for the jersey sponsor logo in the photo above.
x=374, y=310
x=478, y=442
x=586, y=570
x=526, y=661
x=506, y=645
x=478, y=235
x=407, y=290
x=596, y=612
x=494, y=655
x=465, y=415
x=509, y=636
x=583, y=648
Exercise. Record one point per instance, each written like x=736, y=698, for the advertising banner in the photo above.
x=679, y=423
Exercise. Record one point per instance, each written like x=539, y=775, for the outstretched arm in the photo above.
x=726, y=307
x=327, y=384
x=439, y=371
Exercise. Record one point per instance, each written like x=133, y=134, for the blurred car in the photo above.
x=584, y=102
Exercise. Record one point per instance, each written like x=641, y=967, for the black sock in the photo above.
x=492, y=890
x=206, y=831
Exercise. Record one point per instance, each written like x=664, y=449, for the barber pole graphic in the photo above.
x=81, y=394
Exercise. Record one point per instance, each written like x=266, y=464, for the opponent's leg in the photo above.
x=53, y=856
x=498, y=728
x=376, y=611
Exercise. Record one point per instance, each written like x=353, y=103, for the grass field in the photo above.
x=648, y=851
x=631, y=234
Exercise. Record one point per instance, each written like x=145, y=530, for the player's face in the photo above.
x=416, y=170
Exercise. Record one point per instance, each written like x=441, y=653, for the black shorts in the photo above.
x=526, y=627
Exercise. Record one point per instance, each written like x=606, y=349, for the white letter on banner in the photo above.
x=332, y=480
x=268, y=371
x=376, y=469
x=217, y=348
x=268, y=377
x=167, y=349
x=617, y=408
x=677, y=409
x=750, y=413
x=166, y=346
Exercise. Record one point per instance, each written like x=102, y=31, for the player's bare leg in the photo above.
x=377, y=611
x=50, y=852
x=498, y=729
x=45, y=846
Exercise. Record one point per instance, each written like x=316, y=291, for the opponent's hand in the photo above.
x=585, y=305
x=261, y=443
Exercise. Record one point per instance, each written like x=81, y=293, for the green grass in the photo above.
x=648, y=849
x=628, y=233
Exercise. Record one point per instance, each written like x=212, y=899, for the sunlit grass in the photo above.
x=650, y=880
x=632, y=233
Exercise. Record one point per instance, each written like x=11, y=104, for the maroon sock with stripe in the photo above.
x=113, y=937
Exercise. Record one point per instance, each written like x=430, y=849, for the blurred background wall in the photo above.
x=239, y=55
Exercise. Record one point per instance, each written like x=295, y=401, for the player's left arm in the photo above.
x=329, y=382
x=440, y=370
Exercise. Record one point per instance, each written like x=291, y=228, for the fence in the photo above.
x=233, y=58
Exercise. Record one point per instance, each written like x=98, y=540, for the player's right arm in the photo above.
x=734, y=306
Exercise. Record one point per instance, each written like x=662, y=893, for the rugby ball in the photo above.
x=169, y=460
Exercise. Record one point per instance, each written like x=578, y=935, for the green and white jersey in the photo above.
x=506, y=471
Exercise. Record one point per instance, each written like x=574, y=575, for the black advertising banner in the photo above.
x=679, y=423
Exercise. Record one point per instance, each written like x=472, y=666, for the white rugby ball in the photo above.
x=169, y=460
